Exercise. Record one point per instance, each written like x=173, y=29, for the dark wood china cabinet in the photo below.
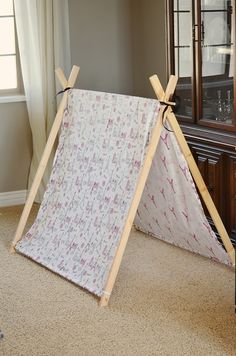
x=201, y=36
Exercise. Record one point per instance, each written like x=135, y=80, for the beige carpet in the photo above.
x=166, y=301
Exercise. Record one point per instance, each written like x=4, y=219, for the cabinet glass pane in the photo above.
x=183, y=56
x=183, y=28
x=213, y=4
x=183, y=62
x=181, y=5
x=217, y=41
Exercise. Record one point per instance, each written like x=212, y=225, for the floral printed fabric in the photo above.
x=101, y=151
x=170, y=208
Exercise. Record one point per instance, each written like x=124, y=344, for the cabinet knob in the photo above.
x=210, y=188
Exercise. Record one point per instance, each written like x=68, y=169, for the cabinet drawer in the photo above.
x=231, y=195
x=218, y=169
x=211, y=166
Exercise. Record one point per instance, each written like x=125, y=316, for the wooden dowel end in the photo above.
x=232, y=256
x=12, y=249
x=104, y=300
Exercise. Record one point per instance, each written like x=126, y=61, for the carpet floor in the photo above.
x=166, y=301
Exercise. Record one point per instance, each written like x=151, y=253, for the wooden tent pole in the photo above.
x=197, y=175
x=46, y=153
x=138, y=192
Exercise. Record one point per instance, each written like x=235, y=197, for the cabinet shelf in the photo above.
x=215, y=10
x=213, y=84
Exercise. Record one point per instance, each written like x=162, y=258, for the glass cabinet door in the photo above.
x=202, y=42
x=217, y=61
x=183, y=56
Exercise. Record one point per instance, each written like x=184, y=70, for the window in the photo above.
x=9, y=61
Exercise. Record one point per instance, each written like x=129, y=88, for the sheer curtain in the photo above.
x=44, y=44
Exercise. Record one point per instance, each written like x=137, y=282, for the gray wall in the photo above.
x=15, y=147
x=149, y=44
x=118, y=44
x=101, y=44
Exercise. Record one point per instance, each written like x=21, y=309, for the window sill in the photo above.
x=12, y=98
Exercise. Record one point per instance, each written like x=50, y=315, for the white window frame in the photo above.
x=14, y=94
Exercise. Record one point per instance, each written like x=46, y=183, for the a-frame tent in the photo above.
x=165, y=114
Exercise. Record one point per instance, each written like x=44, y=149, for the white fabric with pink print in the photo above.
x=102, y=148
x=170, y=208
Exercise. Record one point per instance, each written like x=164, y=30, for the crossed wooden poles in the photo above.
x=164, y=97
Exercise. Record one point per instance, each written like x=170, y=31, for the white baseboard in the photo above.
x=13, y=198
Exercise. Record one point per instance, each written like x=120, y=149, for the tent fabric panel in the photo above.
x=170, y=208
x=102, y=147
